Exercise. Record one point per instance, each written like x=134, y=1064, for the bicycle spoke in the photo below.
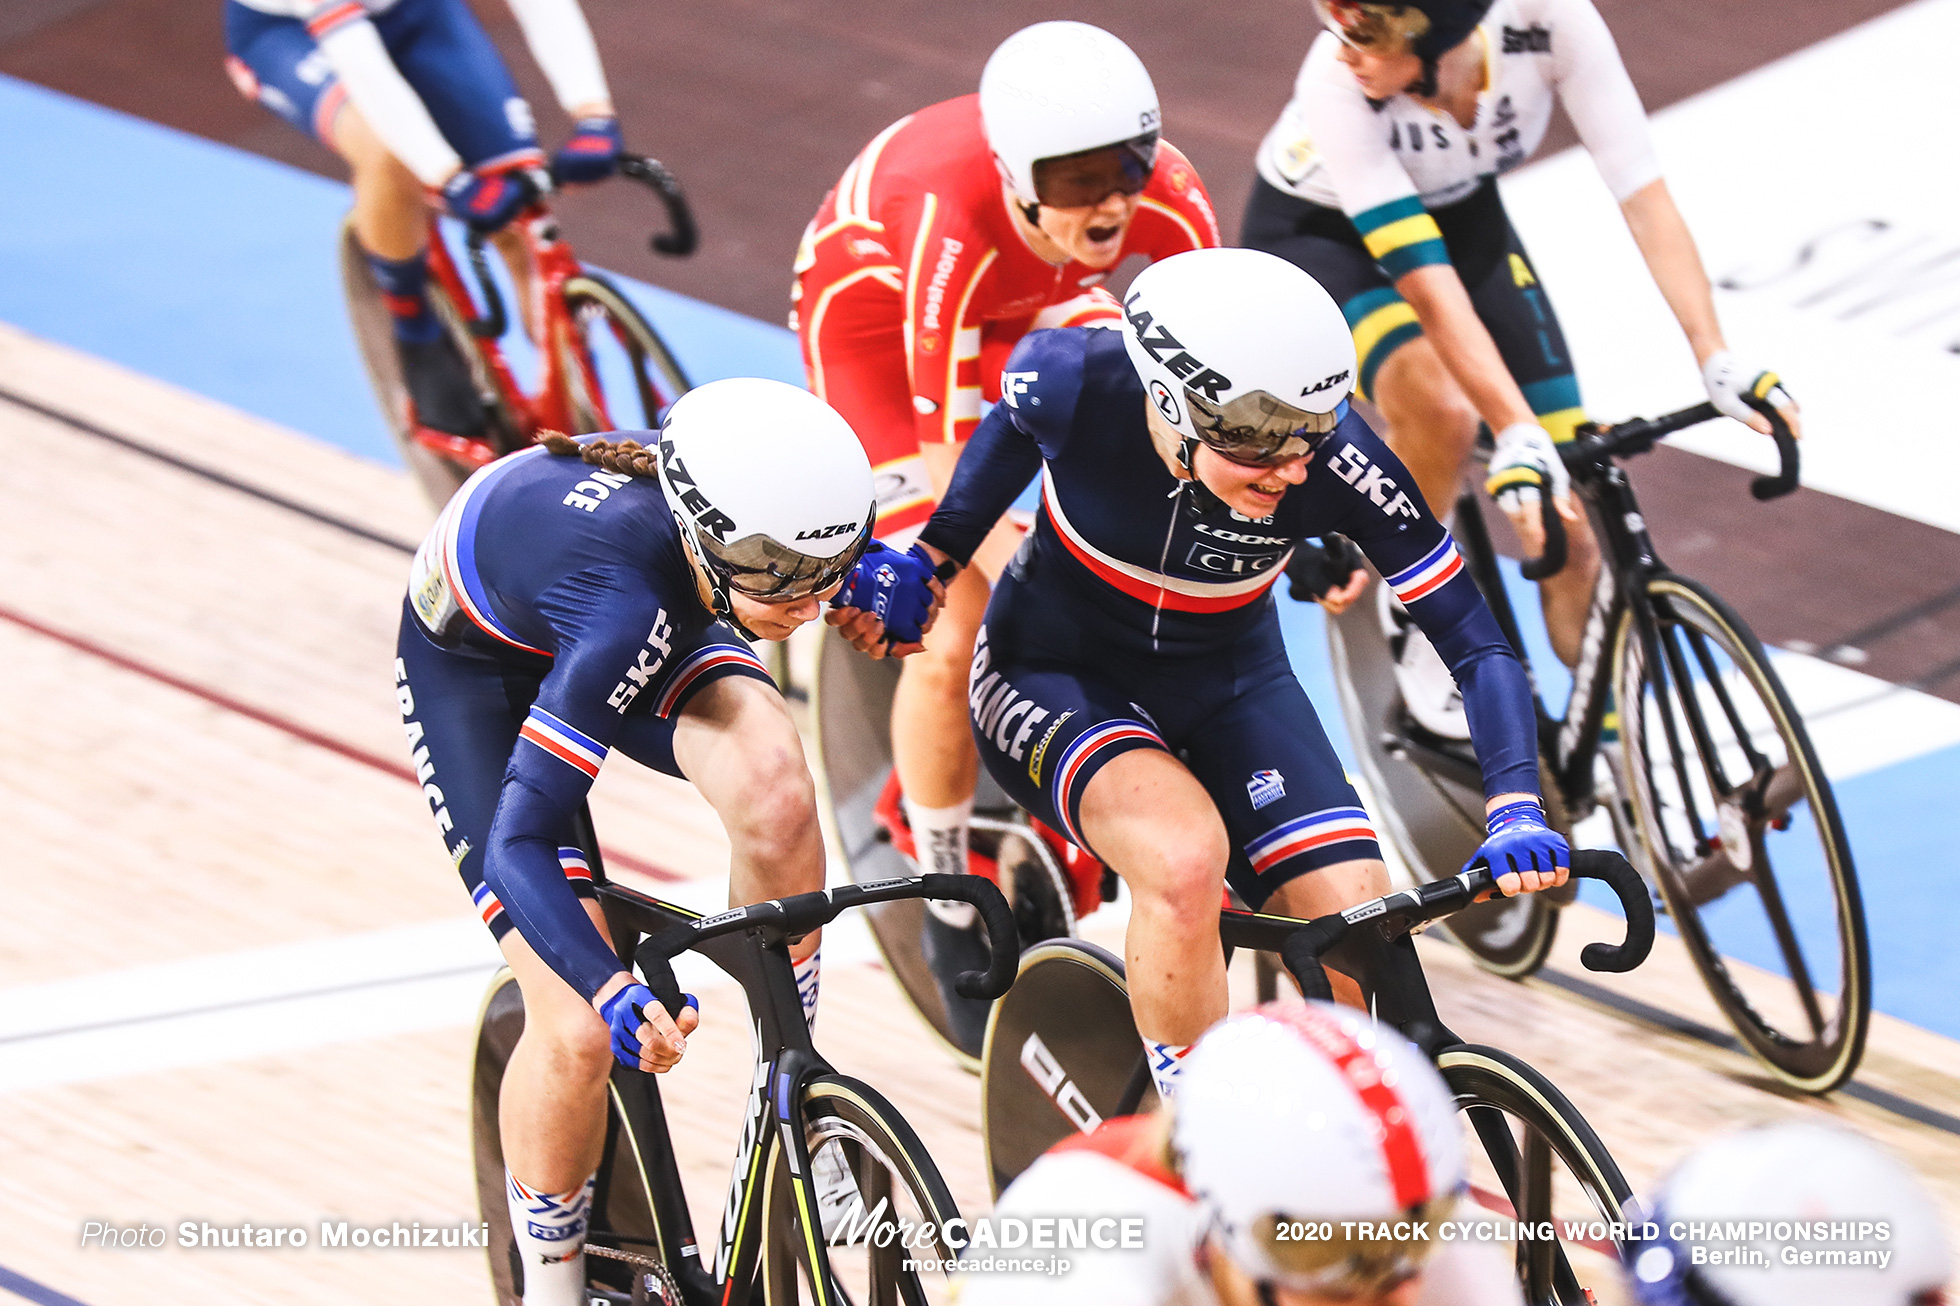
x=1690, y=698
x=1786, y=938
x=1657, y=676
x=1533, y=1200
x=1717, y=685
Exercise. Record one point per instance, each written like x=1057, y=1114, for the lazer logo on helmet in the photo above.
x=1196, y=376
x=1328, y=384
x=706, y=516
x=826, y=532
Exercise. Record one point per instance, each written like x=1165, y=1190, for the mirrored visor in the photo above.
x=1377, y=28
x=1344, y=1262
x=772, y=572
x=1084, y=180
x=1255, y=428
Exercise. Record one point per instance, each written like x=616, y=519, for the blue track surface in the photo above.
x=215, y=270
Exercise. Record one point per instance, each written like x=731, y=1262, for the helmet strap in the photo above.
x=708, y=587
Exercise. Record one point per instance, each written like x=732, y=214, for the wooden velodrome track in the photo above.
x=239, y=978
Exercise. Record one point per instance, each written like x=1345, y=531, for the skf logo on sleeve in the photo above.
x=1265, y=788
x=660, y=644
x=1015, y=384
x=1352, y=466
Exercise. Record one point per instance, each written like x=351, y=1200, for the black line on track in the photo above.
x=1884, y=1099
x=1877, y=630
x=243, y=1003
x=794, y=692
x=87, y=427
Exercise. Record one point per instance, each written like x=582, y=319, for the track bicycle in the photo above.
x=1063, y=1055
x=601, y=365
x=1712, y=784
x=780, y=1240
x=1050, y=886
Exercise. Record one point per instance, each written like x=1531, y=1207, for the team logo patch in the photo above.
x=1041, y=749
x=1265, y=788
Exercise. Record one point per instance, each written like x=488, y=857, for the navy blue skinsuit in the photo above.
x=551, y=618
x=1136, y=617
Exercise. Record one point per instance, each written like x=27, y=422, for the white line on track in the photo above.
x=235, y=1005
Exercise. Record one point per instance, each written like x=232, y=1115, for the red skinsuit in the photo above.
x=913, y=285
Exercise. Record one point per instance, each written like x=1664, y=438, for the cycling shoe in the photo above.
x=443, y=396
x=950, y=950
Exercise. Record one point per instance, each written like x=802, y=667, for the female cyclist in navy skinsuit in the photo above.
x=566, y=606
x=1130, y=686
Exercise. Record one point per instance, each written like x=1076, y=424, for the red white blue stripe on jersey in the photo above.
x=1434, y=571
x=1307, y=833
x=486, y=903
x=579, y=751
x=1154, y=587
x=1076, y=758
x=327, y=19
x=456, y=551
x=698, y=664
x=576, y=867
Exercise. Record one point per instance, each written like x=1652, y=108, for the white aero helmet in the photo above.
x=769, y=486
x=1058, y=89
x=1309, y=1111
x=1822, y=1206
x=1241, y=350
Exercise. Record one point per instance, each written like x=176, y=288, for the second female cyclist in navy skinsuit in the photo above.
x=1130, y=686
x=580, y=599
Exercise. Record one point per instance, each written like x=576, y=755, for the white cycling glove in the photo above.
x=1526, y=460
x=1729, y=379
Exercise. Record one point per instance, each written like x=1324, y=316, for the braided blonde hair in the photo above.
x=628, y=457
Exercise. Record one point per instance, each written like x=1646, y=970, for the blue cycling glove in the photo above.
x=488, y=201
x=1519, y=840
x=622, y=1012
x=592, y=152
x=893, y=587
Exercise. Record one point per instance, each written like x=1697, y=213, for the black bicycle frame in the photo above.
x=751, y=945
x=1628, y=561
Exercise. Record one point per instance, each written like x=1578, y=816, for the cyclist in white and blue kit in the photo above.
x=413, y=95
x=1130, y=686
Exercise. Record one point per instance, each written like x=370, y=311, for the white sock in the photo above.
x=1166, y=1065
x=809, y=974
x=940, y=835
x=550, y=1233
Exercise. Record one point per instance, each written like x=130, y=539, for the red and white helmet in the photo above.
x=1310, y=1111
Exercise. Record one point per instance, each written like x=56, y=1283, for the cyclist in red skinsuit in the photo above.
x=953, y=234
x=914, y=284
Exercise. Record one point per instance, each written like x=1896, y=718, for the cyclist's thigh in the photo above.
x=1286, y=800
x=276, y=62
x=854, y=356
x=462, y=712
x=1516, y=310
x=695, y=661
x=444, y=53
x=1046, y=728
x=1381, y=320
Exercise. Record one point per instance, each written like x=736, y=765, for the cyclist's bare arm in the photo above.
x=561, y=41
